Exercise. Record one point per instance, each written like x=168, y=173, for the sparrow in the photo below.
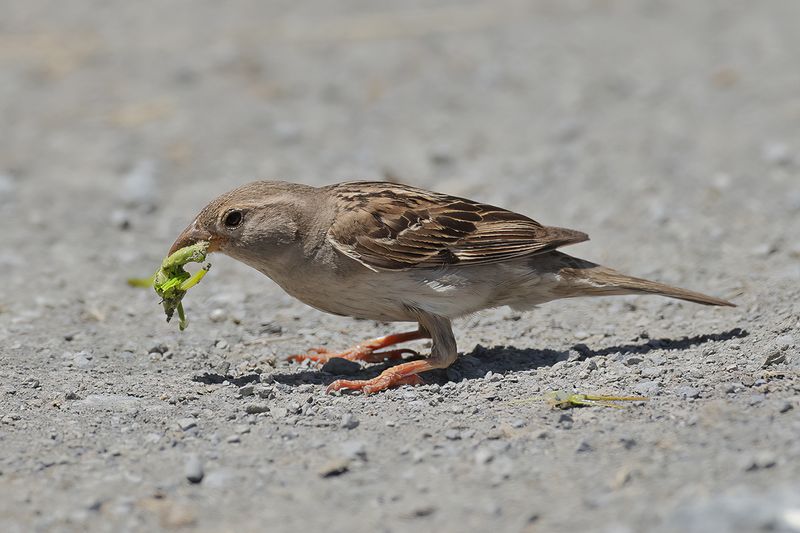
x=396, y=253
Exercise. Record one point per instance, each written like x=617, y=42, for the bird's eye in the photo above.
x=233, y=219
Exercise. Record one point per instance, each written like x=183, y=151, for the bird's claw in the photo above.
x=371, y=386
x=357, y=353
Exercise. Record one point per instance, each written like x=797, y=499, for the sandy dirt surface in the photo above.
x=668, y=131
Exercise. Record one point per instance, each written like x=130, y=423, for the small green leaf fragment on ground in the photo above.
x=564, y=400
x=560, y=399
x=171, y=282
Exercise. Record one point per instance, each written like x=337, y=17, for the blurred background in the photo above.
x=124, y=118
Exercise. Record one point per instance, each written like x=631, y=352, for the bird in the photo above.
x=389, y=252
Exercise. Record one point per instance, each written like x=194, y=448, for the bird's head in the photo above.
x=256, y=223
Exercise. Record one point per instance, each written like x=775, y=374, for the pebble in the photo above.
x=82, y=359
x=784, y=342
x=186, y=423
x=756, y=399
x=633, y=360
x=222, y=368
x=233, y=439
x=581, y=335
x=348, y=421
x=785, y=407
x=193, y=468
x=218, y=315
x=334, y=467
x=266, y=393
x=280, y=412
x=688, y=392
x=483, y=456
x=493, y=377
x=647, y=388
x=774, y=358
x=651, y=372
x=120, y=219
x=340, y=366
x=159, y=348
x=565, y=421
x=247, y=390
x=452, y=434
x=354, y=449
x=761, y=460
x=584, y=447
x=255, y=408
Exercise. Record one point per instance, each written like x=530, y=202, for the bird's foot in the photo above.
x=397, y=376
x=356, y=353
x=370, y=386
x=564, y=400
x=367, y=351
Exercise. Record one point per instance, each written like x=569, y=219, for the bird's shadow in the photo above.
x=504, y=359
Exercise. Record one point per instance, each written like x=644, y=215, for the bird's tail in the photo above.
x=588, y=279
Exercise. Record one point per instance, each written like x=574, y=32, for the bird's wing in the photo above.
x=387, y=226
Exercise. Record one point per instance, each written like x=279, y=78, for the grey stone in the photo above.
x=334, y=467
x=354, y=449
x=761, y=460
x=687, y=392
x=255, y=408
x=452, y=434
x=279, y=412
x=193, y=468
x=348, y=421
x=651, y=372
x=483, y=456
x=218, y=315
x=186, y=424
x=774, y=358
x=584, y=447
x=247, y=390
x=647, y=388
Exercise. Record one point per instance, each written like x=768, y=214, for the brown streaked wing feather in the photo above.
x=395, y=227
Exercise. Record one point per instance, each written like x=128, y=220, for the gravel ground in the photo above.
x=666, y=130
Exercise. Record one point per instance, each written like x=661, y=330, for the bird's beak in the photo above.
x=192, y=235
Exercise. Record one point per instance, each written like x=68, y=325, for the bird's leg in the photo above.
x=368, y=350
x=443, y=354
